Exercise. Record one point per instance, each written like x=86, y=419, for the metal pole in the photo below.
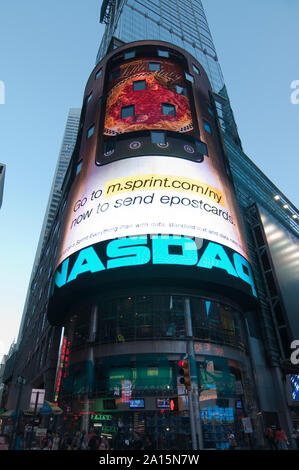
x=33, y=419
x=192, y=421
x=194, y=377
x=191, y=358
x=21, y=382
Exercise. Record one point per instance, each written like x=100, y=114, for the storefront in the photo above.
x=118, y=386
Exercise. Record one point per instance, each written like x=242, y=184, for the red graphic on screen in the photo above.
x=141, y=99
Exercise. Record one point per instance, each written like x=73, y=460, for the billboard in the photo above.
x=283, y=248
x=153, y=180
x=146, y=94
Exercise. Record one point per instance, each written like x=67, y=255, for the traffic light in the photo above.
x=175, y=404
x=185, y=373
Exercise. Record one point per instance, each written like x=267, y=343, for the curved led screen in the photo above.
x=152, y=166
x=152, y=93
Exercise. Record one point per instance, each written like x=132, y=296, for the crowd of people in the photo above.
x=68, y=441
x=276, y=439
x=79, y=441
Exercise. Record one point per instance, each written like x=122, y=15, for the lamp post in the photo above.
x=20, y=381
x=194, y=393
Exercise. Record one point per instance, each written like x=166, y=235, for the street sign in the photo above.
x=37, y=398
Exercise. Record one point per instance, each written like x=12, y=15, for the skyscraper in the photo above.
x=66, y=150
x=164, y=255
x=182, y=23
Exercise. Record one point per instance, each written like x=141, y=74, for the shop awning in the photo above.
x=8, y=414
x=50, y=408
x=29, y=412
x=47, y=409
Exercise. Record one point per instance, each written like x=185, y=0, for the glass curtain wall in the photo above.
x=180, y=22
x=117, y=394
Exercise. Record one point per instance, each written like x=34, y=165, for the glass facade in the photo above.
x=66, y=150
x=160, y=317
x=116, y=385
x=182, y=23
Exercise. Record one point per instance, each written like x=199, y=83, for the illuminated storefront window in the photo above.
x=128, y=393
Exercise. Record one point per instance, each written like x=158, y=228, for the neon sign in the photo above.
x=100, y=417
x=63, y=366
x=135, y=251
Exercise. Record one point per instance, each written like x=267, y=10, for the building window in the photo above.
x=201, y=147
x=127, y=111
x=207, y=127
x=78, y=169
x=189, y=77
x=139, y=85
x=158, y=137
x=168, y=109
x=180, y=90
x=162, y=53
x=196, y=69
x=115, y=74
x=89, y=97
x=90, y=131
x=129, y=55
x=154, y=66
x=98, y=73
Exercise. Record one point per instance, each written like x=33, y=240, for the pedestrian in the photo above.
x=19, y=444
x=48, y=442
x=48, y=445
x=84, y=440
x=69, y=442
x=137, y=443
x=281, y=439
x=56, y=442
x=103, y=445
x=93, y=442
x=76, y=445
x=35, y=445
x=63, y=441
x=231, y=440
x=293, y=440
x=148, y=445
x=4, y=442
x=270, y=438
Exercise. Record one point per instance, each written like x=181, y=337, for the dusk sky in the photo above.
x=48, y=50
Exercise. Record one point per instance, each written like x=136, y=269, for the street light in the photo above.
x=20, y=381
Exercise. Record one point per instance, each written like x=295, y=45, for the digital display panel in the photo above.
x=283, y=248
x=162, y=403
x=136, y=403
x=144, y=97
x=175, y=187
x=294, y=379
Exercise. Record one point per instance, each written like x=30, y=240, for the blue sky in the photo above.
x=47, y=52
